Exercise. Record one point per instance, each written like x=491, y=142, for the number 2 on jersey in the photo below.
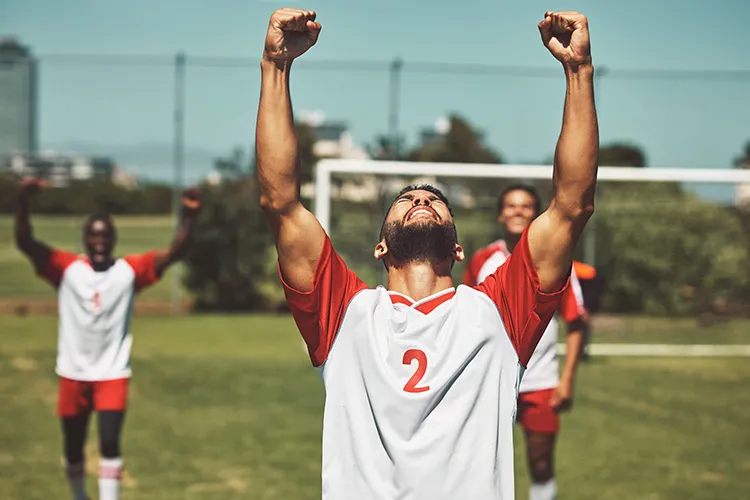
x=421, y=357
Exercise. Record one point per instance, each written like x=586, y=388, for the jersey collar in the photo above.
x=427, y=304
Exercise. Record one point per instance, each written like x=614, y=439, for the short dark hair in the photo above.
x=418, y=187
x=531, y=190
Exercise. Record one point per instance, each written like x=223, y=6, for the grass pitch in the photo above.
x=228, y=407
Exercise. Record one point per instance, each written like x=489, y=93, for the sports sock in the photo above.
x=76, y=480
x=110, y=472
x=543, y=491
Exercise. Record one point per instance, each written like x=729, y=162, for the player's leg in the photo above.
x=540, y=447
x=74, y=409
x=110, y=466
x=110, y=401
x=541, y=425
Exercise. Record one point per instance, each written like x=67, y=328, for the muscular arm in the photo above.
x=299, y=236
x=554, y=234
x=37, y=252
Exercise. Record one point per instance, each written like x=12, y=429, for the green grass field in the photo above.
x=226, y=407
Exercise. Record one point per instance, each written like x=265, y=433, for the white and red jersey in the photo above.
x=420, y=395
x=95, y=308
x=542, y=371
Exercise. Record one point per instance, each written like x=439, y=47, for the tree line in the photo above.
x=660, y=248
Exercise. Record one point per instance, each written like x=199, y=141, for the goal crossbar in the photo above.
x=326, y=167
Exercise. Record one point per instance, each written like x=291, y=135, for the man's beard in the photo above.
x=420, y=241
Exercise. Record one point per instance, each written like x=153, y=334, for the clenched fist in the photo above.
x=291, y=32
x=566, y=36
x=29, y=186
x=191, y=201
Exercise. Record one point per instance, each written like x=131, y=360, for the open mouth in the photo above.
x=421, y=212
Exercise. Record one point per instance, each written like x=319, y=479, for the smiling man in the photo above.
x=421, y=378
x=95, y=303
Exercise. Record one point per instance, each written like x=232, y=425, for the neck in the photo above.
x=101, y=266
x=418, y=280
x=511, y=240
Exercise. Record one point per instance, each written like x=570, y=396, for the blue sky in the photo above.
x=128, y=109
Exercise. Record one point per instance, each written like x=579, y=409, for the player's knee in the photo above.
x=110, y=448
x=541, y=471
x=74, y=455
x=73, y=447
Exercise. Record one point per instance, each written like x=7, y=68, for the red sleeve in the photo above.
x=526, y=311
x=144, y=266
x=571, y=305
x=471, y=274
x=320, y=312
x=56, y=264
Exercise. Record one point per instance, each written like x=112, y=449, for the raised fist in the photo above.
x=191, y=200
x=29, y=186
x=566, y=36
x=290, y=33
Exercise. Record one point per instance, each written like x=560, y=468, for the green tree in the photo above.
x=306, y=139
x=231, y=263
x=620, y=154
x=461, y=144
x=673, y=253
x=743, y=160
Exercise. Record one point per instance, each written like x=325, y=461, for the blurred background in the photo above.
x=120, y=105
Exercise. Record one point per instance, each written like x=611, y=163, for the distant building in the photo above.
x=333, y=139
x=59, y=169
x=18, y=99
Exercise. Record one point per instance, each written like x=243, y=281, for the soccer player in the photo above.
x=95, y=303
x=421, y=378
x=543, y=393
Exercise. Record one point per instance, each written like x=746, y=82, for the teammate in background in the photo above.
x=543, y=393
x=420, y=377
x=95, y=303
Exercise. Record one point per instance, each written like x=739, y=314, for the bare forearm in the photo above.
x=182, y=238
x=576, y=155
x=276, y=140
x=179, y=246
x=573, y=346
x=24, y=233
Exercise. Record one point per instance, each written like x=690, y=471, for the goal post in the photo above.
x=672, y=244
x=326, y=167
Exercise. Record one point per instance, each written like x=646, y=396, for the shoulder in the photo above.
x=484, y=253
x=140, y=262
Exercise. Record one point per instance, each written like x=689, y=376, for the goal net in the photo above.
x=671, y=247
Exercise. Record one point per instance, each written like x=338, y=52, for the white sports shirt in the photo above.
x=543, y=371
x=420, y=396
x=95, y=309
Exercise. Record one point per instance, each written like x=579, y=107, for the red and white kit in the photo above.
x=94, y=340
x=541, y=376
x=421, y=395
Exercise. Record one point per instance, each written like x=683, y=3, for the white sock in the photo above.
x=76, y=480
x=543, y=491
x=110, y=472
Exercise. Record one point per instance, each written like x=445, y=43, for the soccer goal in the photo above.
x=671, y=246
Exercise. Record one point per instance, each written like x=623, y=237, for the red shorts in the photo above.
x=78, y=397
x=535, y=413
